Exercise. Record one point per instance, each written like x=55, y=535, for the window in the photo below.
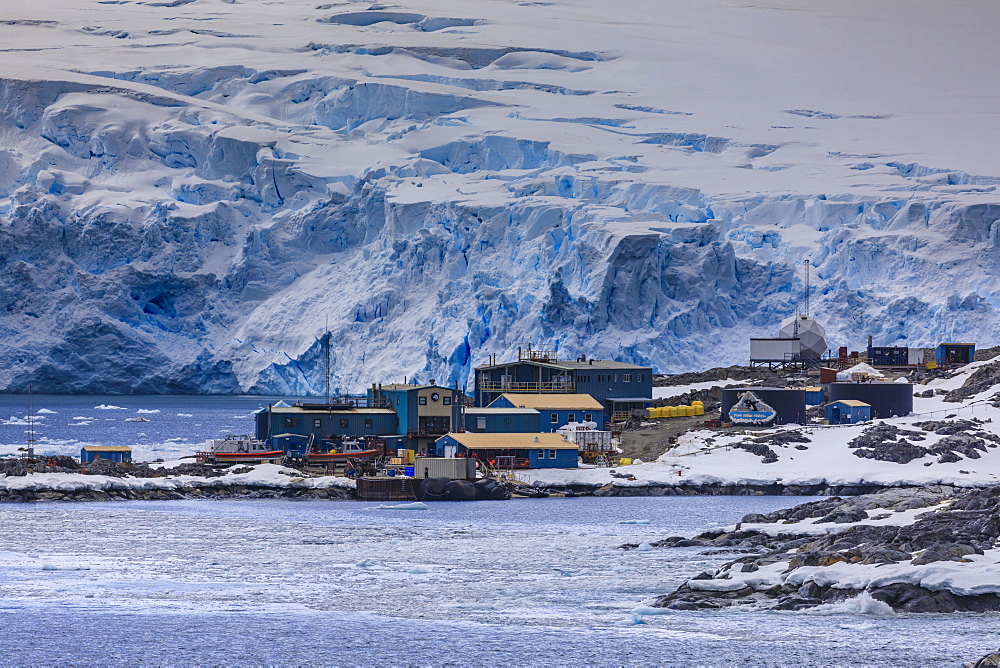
x=616, y=377
x=642, y=377
x=583, y=379
x=600, y=378
x=552, y=454
x=369, y=423
x=571, y=417
x=480, y=423
x=554, y=419
x=588, y=417
x=291, y=422
x=446, y=400
x=344, y=423
x=422, y=401
x=541, y=454
x=626, y=378
x=317, y=423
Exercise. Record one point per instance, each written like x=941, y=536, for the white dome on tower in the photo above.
x=808, y=331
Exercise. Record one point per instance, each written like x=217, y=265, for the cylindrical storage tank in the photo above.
x=886, y=399
x=788, y=405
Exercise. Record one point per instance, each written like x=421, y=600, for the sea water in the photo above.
x=520, y=582
x=173, y=426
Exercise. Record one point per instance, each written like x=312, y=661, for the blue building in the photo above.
x=511, y=451
x=847, y=411
x=557, y=410
x=502, y=420
x=954, y=354
x=324, y=421
x=618, y=386
x=114, y=453
x=424, y=412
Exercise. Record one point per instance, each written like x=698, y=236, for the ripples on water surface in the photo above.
x=517, y=582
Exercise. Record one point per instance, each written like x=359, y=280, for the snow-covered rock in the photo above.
x=190, y=191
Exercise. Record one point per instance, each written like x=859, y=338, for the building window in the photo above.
x=369, y=423
x=600, y=378
x=588, y=417
x=422, y=401
x=616, y=377
x=317, y=423
x=481, y=424
x=291, y=422
x=571, y=417
x=583, y=379
x=552, y=454
x=627, y=378
x=554, y=419
x=541, y=454
x=344, y=423
x=446, y=400
x=642, y=377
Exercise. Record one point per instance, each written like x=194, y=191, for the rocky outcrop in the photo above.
x=957, y=525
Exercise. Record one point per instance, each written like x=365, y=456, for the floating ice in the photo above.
x=185, y=415
x=148, y=411
x=416, y=505
x=634, y=522
x=862, y=604
x=46, y=411
x=109, y=407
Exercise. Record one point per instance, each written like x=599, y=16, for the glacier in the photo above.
x=207, y=196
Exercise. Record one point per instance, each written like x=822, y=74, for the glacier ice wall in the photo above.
x=186, y=209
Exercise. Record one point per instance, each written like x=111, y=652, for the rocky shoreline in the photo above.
x=928, y=549
x=207, y=491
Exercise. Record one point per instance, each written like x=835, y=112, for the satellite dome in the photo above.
x=808, y=331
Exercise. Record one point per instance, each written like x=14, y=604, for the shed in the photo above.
x=524, y=451
x=814, y=395
x=114, y=453
x=848, y=411
x=955, y=353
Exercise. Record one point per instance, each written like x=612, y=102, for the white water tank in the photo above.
x=808, y=331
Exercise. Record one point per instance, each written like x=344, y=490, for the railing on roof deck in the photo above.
x=341, y=403
x=538, y=356
x=556, y=387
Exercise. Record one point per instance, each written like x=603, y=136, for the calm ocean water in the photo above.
x=522, y=582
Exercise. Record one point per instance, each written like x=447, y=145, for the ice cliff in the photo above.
x=193, y=192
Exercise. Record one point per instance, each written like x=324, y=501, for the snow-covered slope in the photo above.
x=191, y=190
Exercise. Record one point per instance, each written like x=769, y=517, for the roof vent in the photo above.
x=536, y=440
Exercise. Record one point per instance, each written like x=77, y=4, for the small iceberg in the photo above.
x=109, y=407
x=148, y=411
x=137, y=419
x=46, y=411
x=416, y=505
x=634, y=522
x=185, y=415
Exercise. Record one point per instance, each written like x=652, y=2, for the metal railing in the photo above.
x=556, y=387
x=538, y=356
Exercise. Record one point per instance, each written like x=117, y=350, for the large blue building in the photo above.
x=406, y=416
x=618, y=386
